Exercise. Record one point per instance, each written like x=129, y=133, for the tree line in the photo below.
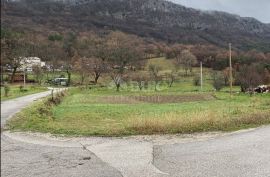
x=119, y=55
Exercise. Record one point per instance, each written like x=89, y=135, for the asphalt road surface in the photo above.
x=11, y=107
x=241, y=154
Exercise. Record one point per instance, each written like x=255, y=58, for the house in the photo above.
x=28, y=63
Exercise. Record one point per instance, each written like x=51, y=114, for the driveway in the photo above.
x=239, y=154
x=11, y=107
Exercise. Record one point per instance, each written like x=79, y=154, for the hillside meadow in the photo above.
x=104, y=112
x=183, y=108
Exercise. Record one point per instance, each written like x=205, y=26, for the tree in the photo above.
x=205, y=53
x=154, y=72
x=90, y=66
x=99, y=58
x=266, y=76
x=53, y=54
x=140, y=79
x=187, y=60
x=120, y=58
x=221, y=61
x=81, y=65
x=97, y=68
x=218, y=83
x=248, y=78
x=38, y=73
x=171, y=77
x=70, y=52
x=123, y=51
x=174, y=52
x=16, y=50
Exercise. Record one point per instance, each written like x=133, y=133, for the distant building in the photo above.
x=18, y=77
x=29, y=62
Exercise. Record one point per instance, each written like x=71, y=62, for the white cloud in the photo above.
x=259, y=9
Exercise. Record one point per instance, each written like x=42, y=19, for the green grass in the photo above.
x=15, y=91
x=107, y=113
x=180, y=109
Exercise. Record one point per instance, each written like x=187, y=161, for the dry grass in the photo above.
x=195, y=122
x=154, y=99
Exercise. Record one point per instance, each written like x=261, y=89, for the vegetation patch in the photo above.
x=196, y=122
x=154, y=99
x=86, y=113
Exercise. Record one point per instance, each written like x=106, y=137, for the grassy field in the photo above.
x=16, y=92
x=182, y=108
x=107, y=113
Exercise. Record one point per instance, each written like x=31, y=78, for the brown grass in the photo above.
x=154, y=99
x=195, y=122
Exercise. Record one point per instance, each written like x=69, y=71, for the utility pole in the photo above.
x=24, y=70
x=201, y=76
x=230, y=60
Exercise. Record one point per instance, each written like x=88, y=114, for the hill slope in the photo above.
x=157, y=19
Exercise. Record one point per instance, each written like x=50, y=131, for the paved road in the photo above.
x=11, y=107
x=31, y=160
x=242, y=154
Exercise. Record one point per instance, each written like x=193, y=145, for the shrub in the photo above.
x=46, y=109
x=197, y=80
x=6, y=89
x=57, y=99
x=22, y=89
x=218, y=83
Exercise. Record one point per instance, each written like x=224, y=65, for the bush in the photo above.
x=218, y=79
x=6, y=89
x=46, y=109
x=197, y=80
x=22, y=89
x=57, y=99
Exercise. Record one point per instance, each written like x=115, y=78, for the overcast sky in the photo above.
x=259, y=9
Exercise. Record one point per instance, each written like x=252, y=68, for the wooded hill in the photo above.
x=157, y=19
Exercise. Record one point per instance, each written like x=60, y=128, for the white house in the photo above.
x=29, y=62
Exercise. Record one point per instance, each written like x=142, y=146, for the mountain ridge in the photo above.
x=158, y=19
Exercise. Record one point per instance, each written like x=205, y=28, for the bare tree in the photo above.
x=70, y=52
x=248, y=78
x=16, y=50
x=119, y=61
x=97, y=67
x=141, y=79
x=81, y=66
x=53, y=54
x=38, y=73
x=154, y=72
x=186, y=59
x=171, y=77
x=123, y=51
